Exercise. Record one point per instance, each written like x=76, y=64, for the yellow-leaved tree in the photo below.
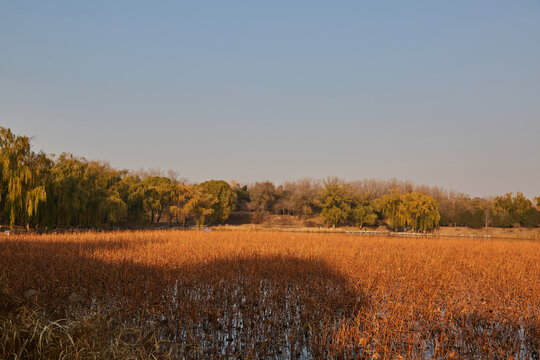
x=416, y=211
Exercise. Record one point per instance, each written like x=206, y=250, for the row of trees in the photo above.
x=341, y=203
x=369, y=202
x=509, y=210
x=37, y=189
x=43, y=190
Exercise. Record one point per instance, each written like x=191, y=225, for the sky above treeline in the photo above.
x=438, y=93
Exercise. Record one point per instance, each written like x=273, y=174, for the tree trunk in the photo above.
x=486, y=218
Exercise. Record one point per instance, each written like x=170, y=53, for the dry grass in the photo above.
x=500, y=233
x=240, y=294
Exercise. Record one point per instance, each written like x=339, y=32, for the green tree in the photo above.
x=335, y=203
x=183, y=193
x=133, y=193
x=69, y=190
x=422, y=211
x=225, y=200
x=200, y=206
x=416, y=211
x=88, y=193
x=393, y=209
x=22, y=187
x=45, y=214
x=362, y=214
x=159, y=196
x=518, y=210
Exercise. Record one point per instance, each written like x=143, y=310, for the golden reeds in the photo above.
x=196, y=294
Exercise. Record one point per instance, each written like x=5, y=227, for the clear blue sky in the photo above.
x=437, y=92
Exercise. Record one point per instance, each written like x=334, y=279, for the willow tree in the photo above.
x=200, y=206
x=22, y=189
x=133, y=193
x=113, y=209
x=70, y=189
x=421, y=212
x=416, y=211
x=393, y=209
x=335, y=203
x=182, y=195
x=37, y=200
x=88, y=193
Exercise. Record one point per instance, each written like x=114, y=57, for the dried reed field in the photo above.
x=267, y=295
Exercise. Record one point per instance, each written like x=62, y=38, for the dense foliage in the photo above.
x=413, y=210
x=40, y=190
x=65, y=191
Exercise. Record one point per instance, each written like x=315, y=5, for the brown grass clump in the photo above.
x=273, y=295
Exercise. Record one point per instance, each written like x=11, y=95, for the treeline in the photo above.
x=341, y=203
x=68, y=191
x=400, y=205
x=41, y=190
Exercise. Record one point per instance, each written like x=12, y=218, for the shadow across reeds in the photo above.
x=278, y=306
